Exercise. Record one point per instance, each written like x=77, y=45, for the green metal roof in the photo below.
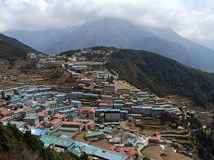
x=136, y=106
x=158, y=109
x=32, y=116
x=107, y=129
x=72, y=115
x=68, y=129
x=134, y=101
x=30, y=109
x=147, y=107
x=92, y=134
x=61, y=108
x=60, y=141
x=118, y=101
x=118, y=104
x=55, y=134
x=129, y=103
x=48, y=103
x=140, y=100
x=15, y=99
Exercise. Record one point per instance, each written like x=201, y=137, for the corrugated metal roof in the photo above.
x=92, y=134
x=68, y=129
x=59, y=141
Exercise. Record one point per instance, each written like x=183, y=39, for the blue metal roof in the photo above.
x=38, y=132
x=107, y=109
x=67, y=110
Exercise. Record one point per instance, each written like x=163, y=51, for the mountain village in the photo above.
x=96, y=113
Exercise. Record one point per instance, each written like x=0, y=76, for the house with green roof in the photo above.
x=15, y=100
x=28, y=112
x=32, y=119
x=107, y=130
x=60, y=142
x=49, y=105
x=98, y=135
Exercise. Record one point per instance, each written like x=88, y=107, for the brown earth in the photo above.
x=153, y=152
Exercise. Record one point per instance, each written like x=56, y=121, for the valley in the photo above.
x=102, y=104
x=106, y=80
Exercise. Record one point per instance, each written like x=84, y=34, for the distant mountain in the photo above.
x=40, y=40
x=123, y=34
x=209, y=44
x=11, y=48
x=163, y=76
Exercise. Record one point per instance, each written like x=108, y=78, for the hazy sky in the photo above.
x=193, y=19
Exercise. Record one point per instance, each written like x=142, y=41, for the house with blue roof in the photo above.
x=38, y=132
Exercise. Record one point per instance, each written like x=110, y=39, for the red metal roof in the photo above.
x=55, y=121
x=159, y=99
x=88, y=110
x=121, y=149
x=4, y=119
x=60, y=116
x=155, y=137
x=105, y=104
x=8, y=112
x=26, y=107
x=111, y=148
x=105, y=101
x=132, y=152
x=42, y=113
x=89, y=123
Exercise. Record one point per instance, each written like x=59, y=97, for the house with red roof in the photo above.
x=4, y=119
x=55, y=123
x=107, y=103
x=63, y=117
x=90, y=125
x=26, y=107
x=71, y=126
x=158, y=100
x=131, y=152
x=109, y=89
x=8, y=113
x=43, y=116
x=87, y=112
x=155, y=138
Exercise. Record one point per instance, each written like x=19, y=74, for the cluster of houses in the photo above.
x=97, y=107
x=41, y=107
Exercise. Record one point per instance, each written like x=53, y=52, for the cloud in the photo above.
x=191, y=19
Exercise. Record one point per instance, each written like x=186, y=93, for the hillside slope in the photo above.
x=162, y=75
x=15, y=145
x=17, y=44
x=10, y=52
x=40, y=40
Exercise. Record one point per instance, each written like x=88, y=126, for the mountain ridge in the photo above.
x=119, y=33
x=18, y=44
x=163, y=76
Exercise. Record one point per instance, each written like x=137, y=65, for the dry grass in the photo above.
x=80, y=138
x=154, y=152
x=101, y=144
x=70, y=134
